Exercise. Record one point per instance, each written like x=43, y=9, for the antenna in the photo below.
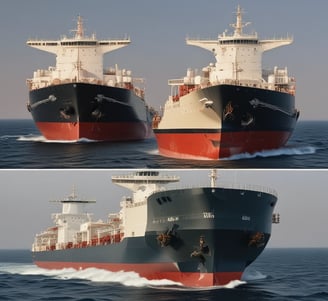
x=238, y=26
x=213, y=177
x=79, y=31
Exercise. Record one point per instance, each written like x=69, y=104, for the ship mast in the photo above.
x=79, y=30
x=213, y=177
x=238, y=26
x=79, y=35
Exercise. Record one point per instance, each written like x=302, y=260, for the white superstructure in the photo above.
x=80, y=59
x=238, y=61
x=134, y=209
x=74, y=227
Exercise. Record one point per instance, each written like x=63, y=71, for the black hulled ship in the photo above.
x=202, y=236
x=79, y=99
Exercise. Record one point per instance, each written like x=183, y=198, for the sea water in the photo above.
x=277, y=275
x=22, y=146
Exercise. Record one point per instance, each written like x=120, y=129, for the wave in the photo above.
x=232, y=284
x=40, y=138
x=154, y=152
x=98, y=275
x=90, y=274
x=5, y=137
x=284, y=151
x=252, y=275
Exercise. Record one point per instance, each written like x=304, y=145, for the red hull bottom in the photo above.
x=100, y=131
x=153, y=272
x=218, y=145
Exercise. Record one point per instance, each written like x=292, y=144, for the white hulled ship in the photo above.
x=232, y=106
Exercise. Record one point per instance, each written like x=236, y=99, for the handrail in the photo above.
x=235, y=186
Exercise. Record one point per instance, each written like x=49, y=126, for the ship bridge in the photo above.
x=143, y=183
x=238, y=55
x=133, y=211
x=78, y=59
x=73, y=215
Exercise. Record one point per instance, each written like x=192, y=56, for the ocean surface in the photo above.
x=22, y=146
x=277, y=275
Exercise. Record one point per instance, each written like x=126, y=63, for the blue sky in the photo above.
x=158, y=52
x=26, y=210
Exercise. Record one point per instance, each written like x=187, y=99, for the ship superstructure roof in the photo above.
x=79, y=39
x=144, y=177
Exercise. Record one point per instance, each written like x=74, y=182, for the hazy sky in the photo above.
x=158, y=52
x=26, y=210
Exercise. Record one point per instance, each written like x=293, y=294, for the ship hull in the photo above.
x=225, y=120
x=153, y=272
x=235, y=225
x=79, y=110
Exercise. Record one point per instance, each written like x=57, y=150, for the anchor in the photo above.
x=201, y=251
x=168, y=237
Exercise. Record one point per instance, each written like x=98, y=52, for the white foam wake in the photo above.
x=285, y=151
x=232, y=284
x=98, y=275
x=35, y=138
x=154, y=152
x=252, y=275
x=90, y=274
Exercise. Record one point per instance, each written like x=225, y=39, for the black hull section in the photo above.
x=247, y=108
x=80, y=110
x=79, y=102
x=234, y=224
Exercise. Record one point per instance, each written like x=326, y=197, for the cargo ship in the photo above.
x=232, y=106
x=196, y=237
x=79, y=99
